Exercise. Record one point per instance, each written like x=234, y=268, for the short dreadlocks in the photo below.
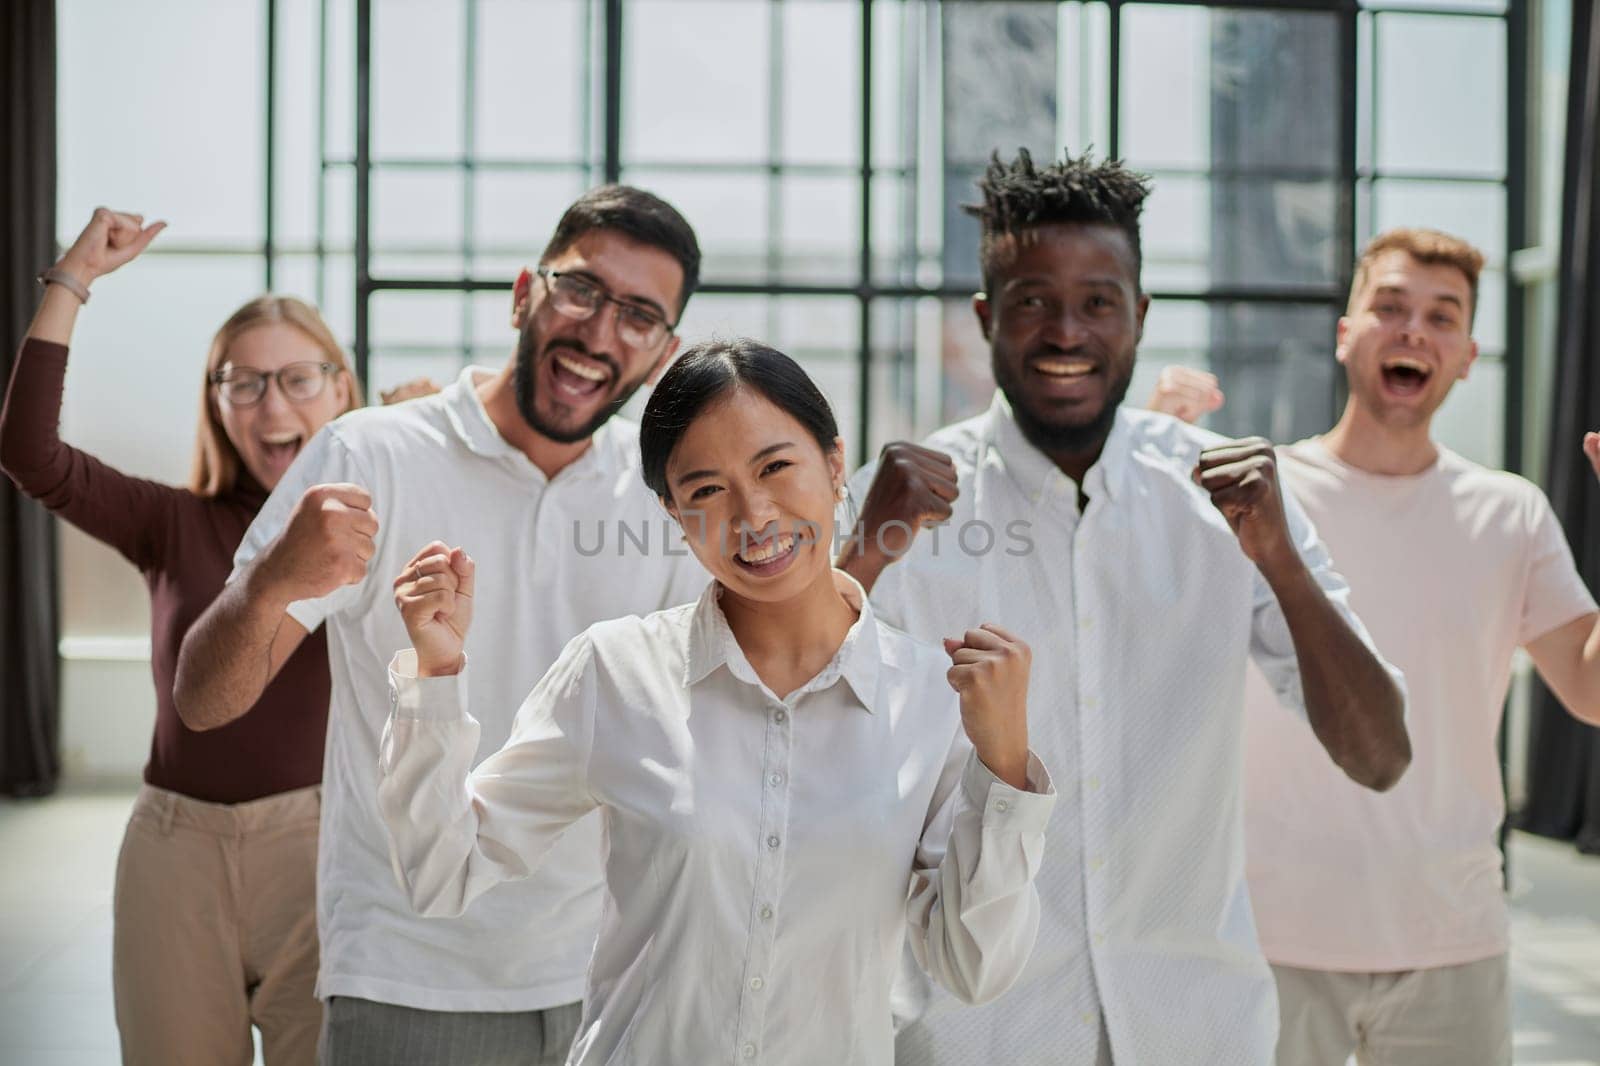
x=1019, y=196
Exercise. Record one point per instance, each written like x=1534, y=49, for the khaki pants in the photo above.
x=1448, y=1016
x=216, y=930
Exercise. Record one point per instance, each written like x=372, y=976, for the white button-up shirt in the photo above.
x=765, y=857
x=1142, y=612
x=565, y=552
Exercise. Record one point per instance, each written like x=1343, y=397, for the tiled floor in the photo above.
x=55, y=939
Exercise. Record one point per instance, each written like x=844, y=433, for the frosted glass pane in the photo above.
x=176, y=133
x=1470, y=210
x=530, y=111
x=821, y=229
x=1166, y=82
x=417, y=319
x=388, y=369
x=728, y=213
x=1441, y=104
x=297, y=160
x=417, y=86
x=133, y=383
x=822, y=101
x=1472, y=420
x=514, y=214
x=416, y=209
x=687, y=61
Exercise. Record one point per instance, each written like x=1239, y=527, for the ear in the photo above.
x=1141, y=308
x=1341, y=334
x=836, y=461
x=668, y=350
x=341, y=389
x=981, y=308
x=1472, y=357
x=522, y=299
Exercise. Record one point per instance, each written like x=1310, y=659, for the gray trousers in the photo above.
x=360, y=1032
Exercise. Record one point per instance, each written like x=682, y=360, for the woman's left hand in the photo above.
x=990, y=672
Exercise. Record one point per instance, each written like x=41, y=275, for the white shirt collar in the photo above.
x=1034, y=472
x=712, y=644
x=471, y=422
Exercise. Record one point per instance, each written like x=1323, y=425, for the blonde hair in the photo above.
x=1427, y=246
x=216, y=460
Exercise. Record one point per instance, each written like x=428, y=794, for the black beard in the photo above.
x=1057, y=439
x=524, y=389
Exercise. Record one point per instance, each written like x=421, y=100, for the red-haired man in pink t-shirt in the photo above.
x=1384, y=914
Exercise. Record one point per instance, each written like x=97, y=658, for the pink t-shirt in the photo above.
x=1451, y=570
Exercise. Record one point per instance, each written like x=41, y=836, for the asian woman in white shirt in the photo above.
x=789, y=789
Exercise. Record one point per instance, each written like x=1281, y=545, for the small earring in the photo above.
x=841, y=493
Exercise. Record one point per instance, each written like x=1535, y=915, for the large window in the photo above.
x=398, y=160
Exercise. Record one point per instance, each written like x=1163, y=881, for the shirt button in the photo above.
x=1002, y=806
x=773, y=841
x=766, y=913
x=776, y=779
x=749, y=1051
x=1090, y=703
x=1099, y=939
x=756, y=983
x=1094, y=784
x=1088, y=1017
x=780, y=716
x=1097, y=862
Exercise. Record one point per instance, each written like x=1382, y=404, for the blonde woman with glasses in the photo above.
x=215, y=918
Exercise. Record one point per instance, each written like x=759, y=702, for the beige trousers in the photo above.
x=216, y=930
x=1447, y=1016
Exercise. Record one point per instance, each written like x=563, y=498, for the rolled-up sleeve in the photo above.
x=455, y=832
x=973, y=910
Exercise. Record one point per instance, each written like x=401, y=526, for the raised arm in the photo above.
x=973, y=912
x=1354, y=706
x=129, y=513
x=913, y=487
x=235, y=649
x=455, y=833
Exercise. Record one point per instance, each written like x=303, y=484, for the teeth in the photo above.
x=762, y=553
x=1064, y=368
x=280, y=438
x=588, y=373
x=1407, y=364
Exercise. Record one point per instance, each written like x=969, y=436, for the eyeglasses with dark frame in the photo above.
x=302, y=382
x=580, y=297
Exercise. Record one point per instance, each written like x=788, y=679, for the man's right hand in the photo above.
x=913, y=488
x=324, y=546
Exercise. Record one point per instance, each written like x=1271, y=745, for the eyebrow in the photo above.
x=1096, y=282
x=701, y=475
x=1396, y=290
x=643, y=302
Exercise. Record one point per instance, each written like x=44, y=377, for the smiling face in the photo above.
x=572, y=374
x=755, y=494
x=1406, y=339
x=1063, y=318
x=270, y=433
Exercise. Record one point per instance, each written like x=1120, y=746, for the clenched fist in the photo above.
x=989, y=670
x=1186, y=393
x=111, y=239
x=434, y=594
x=324, y=546
x=1242, y=479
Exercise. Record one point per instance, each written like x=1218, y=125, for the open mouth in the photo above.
x=1404, y=376
x=766, y=558
x=279, y=449
x=1068, y=369
x=577, y=377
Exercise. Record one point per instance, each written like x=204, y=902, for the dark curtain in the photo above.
x=1564, y=755
x=29, y=674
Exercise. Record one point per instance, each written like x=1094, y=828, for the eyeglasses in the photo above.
x=577, y=297
x=242, y=386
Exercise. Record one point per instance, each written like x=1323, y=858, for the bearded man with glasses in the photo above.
x=509, y=463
